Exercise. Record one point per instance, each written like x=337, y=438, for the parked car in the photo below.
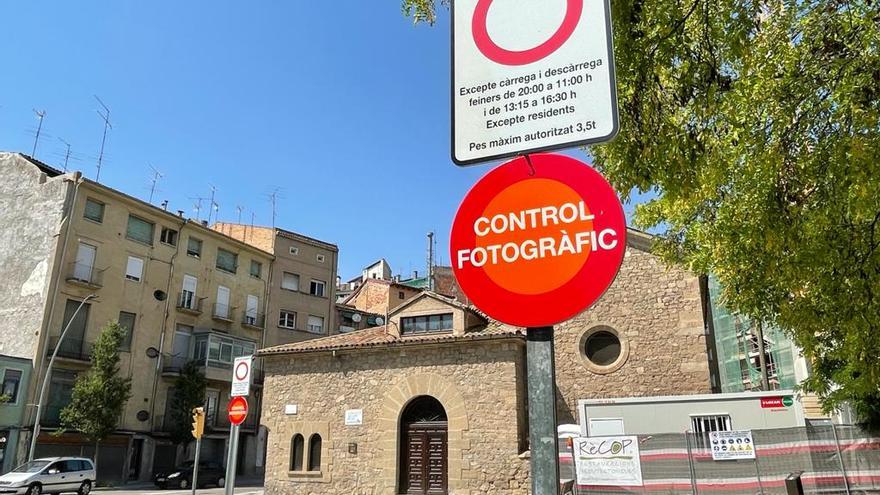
x=50, y=475
x=210, y=473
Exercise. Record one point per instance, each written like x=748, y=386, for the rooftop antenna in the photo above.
x=430, y=271
x=211, y=203
x=274, y=197
x=156, y=176
x=40, y=115
x=239, y=209
x=105, y=116
x=66, y=154
x=198, y=206
x=253, y=215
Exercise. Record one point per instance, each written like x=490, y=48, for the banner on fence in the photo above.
x=732, y=445
x=608, y=461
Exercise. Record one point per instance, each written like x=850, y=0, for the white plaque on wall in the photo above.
x=354, y=417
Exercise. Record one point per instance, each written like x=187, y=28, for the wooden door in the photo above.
x=424, y=463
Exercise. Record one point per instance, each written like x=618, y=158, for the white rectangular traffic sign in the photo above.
x=731, y=445
x=241, y=376
x=530, y=76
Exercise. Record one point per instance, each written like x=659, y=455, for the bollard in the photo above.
x=793, y=485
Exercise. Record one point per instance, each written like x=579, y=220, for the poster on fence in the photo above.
x=608, y=461
x=732, y=445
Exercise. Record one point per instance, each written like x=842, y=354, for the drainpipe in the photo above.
x=44, y=328
x=164, y=324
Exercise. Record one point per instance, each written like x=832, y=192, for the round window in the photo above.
x=602, y=348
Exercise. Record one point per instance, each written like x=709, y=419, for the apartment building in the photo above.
x=81, y=255
x=302, y=289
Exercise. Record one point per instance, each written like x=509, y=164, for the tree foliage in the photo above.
x=189, y=392
x=756, y=124
x=99, y=395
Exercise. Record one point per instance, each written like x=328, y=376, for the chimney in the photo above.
x=415, y=274
x=204, y=223
x=180, y=213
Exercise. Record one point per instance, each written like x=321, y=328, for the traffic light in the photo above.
x=198, y=422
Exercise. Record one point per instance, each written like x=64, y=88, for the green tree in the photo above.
x=99, y=395
x=4, y=398
x=755, y=126
x=189, y=392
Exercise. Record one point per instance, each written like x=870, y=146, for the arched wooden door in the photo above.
x=424, y=451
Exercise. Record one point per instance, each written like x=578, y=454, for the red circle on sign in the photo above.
x=244, y=374
x=495, y=53
x=531, y=281
x=237, y=409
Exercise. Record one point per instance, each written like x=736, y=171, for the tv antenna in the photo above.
x=198, y=206
x=66, y=154
x=156, y=176
x=105, y=116
x=273, y=198
x=40, y=115
x=239, y=209
x=212, y=205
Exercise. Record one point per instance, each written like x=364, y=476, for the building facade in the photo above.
x=302, y=287
x=90, y=255
x=434, y=401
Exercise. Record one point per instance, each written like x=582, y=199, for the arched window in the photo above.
x=315, y=452
x=296, y=452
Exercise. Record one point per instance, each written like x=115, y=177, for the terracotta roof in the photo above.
x=378, y=337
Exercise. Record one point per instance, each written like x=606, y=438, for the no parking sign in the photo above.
x=241, y=376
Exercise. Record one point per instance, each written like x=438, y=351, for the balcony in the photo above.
x=51, y=415
x=188, y=302
x=73, y=349
x=172, y=364
x=254, y=320
x=85, y=275
x=223, y=312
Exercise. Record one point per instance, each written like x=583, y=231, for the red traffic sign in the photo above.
x=538, y=240
x=237, y=410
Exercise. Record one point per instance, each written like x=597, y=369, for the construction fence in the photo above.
x=831, y=459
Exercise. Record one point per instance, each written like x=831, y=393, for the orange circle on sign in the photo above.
x=525, y=213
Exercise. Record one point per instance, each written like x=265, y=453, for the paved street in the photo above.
x=152, y=490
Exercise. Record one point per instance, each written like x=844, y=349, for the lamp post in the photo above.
x=36, y=431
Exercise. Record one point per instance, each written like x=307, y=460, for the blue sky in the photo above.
x=344, y=110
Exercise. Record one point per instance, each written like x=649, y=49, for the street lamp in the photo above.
x=36, y=431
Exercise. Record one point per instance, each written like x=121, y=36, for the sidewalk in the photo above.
x=240, y=482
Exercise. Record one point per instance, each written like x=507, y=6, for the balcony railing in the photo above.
x=172, y=364
x=189, y=302
x=223, y=312
x=79, y=350
x=257, y=320
x=85, y=274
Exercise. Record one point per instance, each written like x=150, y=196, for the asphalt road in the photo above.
x=254, y=490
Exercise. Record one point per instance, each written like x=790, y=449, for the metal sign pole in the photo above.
x=542, y=410
x=231, y=460
x=195, y=480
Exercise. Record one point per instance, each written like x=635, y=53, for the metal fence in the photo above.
x=835, y=459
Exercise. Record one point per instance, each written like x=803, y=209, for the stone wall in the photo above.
x=31, y=210
x=656, y=311
x=479, y=385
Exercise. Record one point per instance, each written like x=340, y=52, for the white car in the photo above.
x=50, y=475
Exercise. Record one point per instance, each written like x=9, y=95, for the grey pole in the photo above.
x=232, y=460
x=542, y=410
x=693, y=471
x=840, y=458
x=36, y=431
x=195, y=479
x=758, y=474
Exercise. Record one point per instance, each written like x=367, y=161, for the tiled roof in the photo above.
x=378, y=337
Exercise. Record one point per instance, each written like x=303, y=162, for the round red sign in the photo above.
x=537, y=241
x=237, y=410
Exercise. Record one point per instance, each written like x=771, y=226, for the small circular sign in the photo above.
x=237, y=410
x=538, y=240
x=787, y=401
x=241, y=370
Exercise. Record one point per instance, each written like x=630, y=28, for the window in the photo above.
x=287, y=319
x=320, y=258
x=134, y=270
x=316, y=288
x=294, y=250
x=315, y=452
x=188, y=293
x=602, y=348
x=194, y=247
x=428, y=323
x=296, y=452
x=703, y=425
x=126, y=321
x=226, y=260
x=290, y=281
x=139, y=230
x=316, y=324
x=256, y=269
x=400, y=295
x=9, y=388
x=94, y=210
x=168, y=236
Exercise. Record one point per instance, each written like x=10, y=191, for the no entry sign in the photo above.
x=241, y=376
x=237, y=410
x=538, y=240
x=530, y=75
